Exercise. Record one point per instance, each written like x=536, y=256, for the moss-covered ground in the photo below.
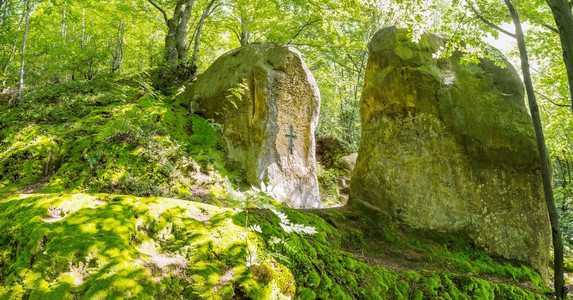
x=109, y=190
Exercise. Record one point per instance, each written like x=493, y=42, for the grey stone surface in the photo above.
x=258, y=92
x=348, y=162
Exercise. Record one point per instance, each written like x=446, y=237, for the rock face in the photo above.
x=348, y=162
x=451, y=148
x=268, y=103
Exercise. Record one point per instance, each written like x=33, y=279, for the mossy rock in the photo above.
x=450, y=147
x=267, y=102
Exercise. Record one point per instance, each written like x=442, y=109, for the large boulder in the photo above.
x=450, y=147
x=268, y=103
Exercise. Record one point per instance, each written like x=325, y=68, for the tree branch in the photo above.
x=551, y=101
x=302, y=28
x=214, y=8
x=161, y=10
x=490, y=23
x=551, y=28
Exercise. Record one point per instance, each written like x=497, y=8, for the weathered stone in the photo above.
x=263, y=94
x=348, y=162
x=450, y=147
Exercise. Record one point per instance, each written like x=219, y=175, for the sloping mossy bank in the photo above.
x=75, y=141
x=113, y=136
x=103, y=246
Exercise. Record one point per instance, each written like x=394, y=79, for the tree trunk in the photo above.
x=563, y=16
x=175, y=46
x=204, y=16
x=12, y=52
x=245, y=34
x=560, y=291
x=64, y=26
x=117, y=54
x=7, y=63
x=83, y=27
x=23, y=55
x=568, y=168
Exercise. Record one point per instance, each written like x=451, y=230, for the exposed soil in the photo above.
x=35, y=187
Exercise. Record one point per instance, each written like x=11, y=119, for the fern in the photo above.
x=278, y=244
x=237, y=92
x=288, y=227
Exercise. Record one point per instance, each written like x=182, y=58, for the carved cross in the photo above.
x=291, y=137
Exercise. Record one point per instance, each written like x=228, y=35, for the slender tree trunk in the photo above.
x=562, y=169
x=23, y=55
x=8, y=60
x=564, y=183
x=12, y=51
x=563, y=16
x=5, y=66
x=568, y=169
x=83, y=27
x=560, y=291
x=63, y=25
x=118, y=51
x=204, y=16
x=4, y=70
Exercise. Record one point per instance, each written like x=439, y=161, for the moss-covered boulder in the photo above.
x=267, y=101
x=450, y=147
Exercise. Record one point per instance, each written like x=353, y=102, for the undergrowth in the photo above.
x=137, y=248
x=110, y=136
x=325, y=265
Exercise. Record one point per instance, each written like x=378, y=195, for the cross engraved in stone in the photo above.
x=291, y=137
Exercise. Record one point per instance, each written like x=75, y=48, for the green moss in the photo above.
x=130, y=248
x=127, y=141
x=121, y=235
x=322, y=269
x=328, y=184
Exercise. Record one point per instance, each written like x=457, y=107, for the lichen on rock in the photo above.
x=450, y=147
